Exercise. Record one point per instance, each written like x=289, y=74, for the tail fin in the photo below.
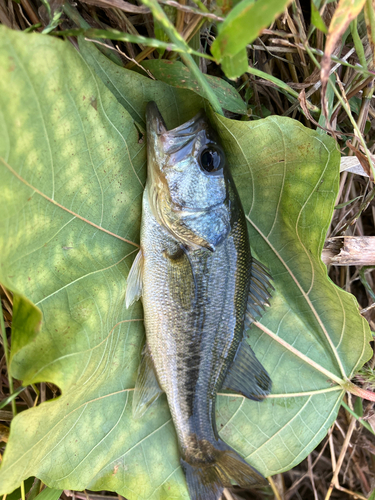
x=207, y=477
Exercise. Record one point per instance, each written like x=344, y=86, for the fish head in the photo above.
x=187, y=180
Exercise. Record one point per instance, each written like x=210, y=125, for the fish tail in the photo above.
x=207, y=477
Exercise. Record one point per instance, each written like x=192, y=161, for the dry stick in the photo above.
x=180, y=17
x=317, y=85
x=341, y=459
x=311, y=476
x=293, y=29
x=227, y=494
x=298, y=481
x=62, y=207
x=332, y=450
x=356, y=495
x=349, y=251
x=274, y=488
x=191, y=10
x=345, y=105
x=194, y=26
x=139, y=58
x=7, y=294
x=30, y=12
x=4, y=17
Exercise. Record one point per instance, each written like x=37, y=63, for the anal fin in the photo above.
x=147, y=389
x=135, y=277
x=247, y=375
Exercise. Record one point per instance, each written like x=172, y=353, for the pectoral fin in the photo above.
x=181, y=278
x=135, y=277
x=147, y=389
x=247, y=375
x=259, y=293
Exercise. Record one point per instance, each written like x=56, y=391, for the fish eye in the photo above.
x=211, y=159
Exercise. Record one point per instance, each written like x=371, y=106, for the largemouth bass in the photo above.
x=199, y=286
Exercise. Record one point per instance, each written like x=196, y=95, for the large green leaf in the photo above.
x=72, y=175
x=243, y=24
x=134, y=91
x=177, y=74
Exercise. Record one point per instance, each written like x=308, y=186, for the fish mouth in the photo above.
x=155, y=122
x=161, y=142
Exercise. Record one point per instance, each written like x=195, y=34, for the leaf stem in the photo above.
x=6, y=352
x=347, y=385
x=288, y=395
x=302, y=356
x=306, y=393
x=126, y=37
x=357, y=391
x=185, y=50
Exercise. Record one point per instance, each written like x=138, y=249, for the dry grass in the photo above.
x=343, y=465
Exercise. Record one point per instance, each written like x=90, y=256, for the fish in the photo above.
x=201, y=289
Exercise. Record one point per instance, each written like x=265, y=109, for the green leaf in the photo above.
x=288, y=190
x=134, y=91
x=243, y=25
x=235, y=66
x=16, y=495
x=26, y=323
x=358, y=416
x=316, y=19
x=49, y=494
x=72, y=173
x=10, y=398
x=178, y=75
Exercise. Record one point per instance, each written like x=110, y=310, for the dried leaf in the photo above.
x=363, y=160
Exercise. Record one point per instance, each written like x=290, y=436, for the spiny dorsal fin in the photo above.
x=247, y=375
x=147, y=389
x=259, y=293
x=135, y=277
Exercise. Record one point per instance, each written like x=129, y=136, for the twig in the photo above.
x=340, y=460
x=191, y=10
x=349, y=251
x=274, y=488
x=311, y=476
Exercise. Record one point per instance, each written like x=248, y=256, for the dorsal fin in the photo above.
x=259, y=293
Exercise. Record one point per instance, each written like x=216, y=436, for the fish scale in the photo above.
x=198, y=283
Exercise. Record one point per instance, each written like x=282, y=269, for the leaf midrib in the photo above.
x=54, y=202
